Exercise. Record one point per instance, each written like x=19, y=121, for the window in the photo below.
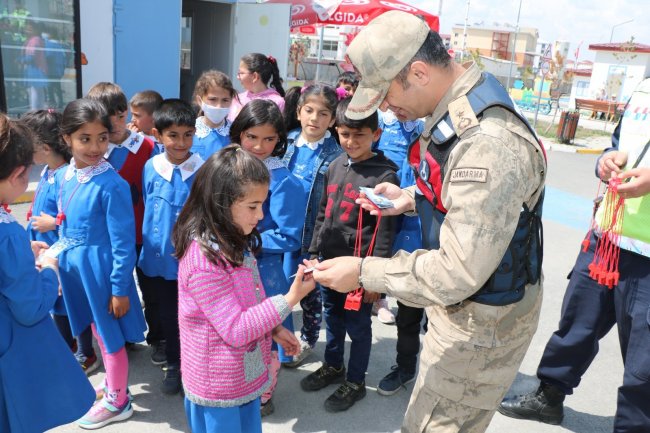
x=186, y=43
x=40, y=66
x=582, y=88
x=330, y=45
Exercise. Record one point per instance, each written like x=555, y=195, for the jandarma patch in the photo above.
x=469, y=175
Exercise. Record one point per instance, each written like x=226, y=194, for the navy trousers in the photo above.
x=589, y=311
x=408, y=323
x=358, y=326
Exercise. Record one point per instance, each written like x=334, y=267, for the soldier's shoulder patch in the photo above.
x=462, y=115
x=469, y=175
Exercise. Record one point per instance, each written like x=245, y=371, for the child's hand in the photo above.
x=302, y=284
x=38, y=247
x=119, y=306
x=639, y=184
x=43, y=223
x=287, y=340
x=131, y=127
x=370, y=297
x=611, y=163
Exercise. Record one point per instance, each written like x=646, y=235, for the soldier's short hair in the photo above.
x=432, y=52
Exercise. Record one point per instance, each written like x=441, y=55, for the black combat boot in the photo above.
x=544, y=405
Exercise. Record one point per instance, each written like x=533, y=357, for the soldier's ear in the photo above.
x=420, y=72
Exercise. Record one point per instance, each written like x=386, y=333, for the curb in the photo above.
x=572, y=149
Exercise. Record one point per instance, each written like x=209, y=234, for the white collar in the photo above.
x=6, y=217
x=389, y=118
x=166, y=169
x=273, y=162
x=301, y=141
x=86, y=173
x=50, y=173
x=203, y=130
x=132, y=143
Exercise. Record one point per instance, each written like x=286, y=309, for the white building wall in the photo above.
x=579, y=89
x=636, y=65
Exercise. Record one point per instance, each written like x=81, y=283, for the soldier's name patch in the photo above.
x=469, y=175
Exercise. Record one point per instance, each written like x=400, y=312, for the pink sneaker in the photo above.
x=383, y=312
x=103, y=413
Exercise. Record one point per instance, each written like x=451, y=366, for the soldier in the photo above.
x=479, y=191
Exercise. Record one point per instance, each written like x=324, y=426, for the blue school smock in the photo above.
x=280, y=229
x=396, y=136
x=41, y=384
x=409, y=233
x=99, y=230
x=309, y=163
x=165, y=189
x=45, y=202
x=210, y=140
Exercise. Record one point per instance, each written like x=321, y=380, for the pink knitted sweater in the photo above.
x=225, y=327
x=245, y=97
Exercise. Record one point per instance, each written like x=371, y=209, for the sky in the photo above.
x=576, y=21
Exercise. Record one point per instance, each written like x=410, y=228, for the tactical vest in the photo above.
x=522, y=262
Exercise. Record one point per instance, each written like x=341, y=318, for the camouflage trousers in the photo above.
x=461, y=380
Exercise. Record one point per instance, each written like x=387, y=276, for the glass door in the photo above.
x=39, y=53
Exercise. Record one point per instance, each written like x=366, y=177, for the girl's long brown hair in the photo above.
x=207, y=218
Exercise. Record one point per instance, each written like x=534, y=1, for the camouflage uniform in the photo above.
x=471, y=352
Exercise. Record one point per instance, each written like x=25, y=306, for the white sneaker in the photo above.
x=305, y=351
x=384, y=315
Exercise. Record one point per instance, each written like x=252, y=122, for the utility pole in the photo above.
x=465, y=33
x=514, y=48
x=611, y=35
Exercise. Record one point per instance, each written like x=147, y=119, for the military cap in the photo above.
x=379, y=52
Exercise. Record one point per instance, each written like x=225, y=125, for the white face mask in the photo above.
x=214, y=114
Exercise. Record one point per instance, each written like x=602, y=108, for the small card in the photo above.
x=55, y=249
x=378, y=199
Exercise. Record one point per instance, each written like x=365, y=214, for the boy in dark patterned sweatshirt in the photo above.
x=334, y=235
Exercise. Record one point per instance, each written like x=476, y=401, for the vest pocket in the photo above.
x=253, y=364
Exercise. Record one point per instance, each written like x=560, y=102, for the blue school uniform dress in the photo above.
x=166, y=188
x=308, y=162
x=41, y=384
x=396, y=136
x=97, y=237
x=210, y=140
x=45, y=202
x=280, y=229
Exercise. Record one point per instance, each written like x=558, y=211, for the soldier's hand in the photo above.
x=340, y=274
x=402, y=201
x=611, y=162
x=639, y=184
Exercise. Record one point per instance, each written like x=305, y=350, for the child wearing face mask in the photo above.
x=214, y=93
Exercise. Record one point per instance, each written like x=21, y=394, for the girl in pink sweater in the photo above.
x=226, y=322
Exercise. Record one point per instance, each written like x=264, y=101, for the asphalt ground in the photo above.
x=570, y=188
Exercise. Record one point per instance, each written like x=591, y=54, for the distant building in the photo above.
x=446, y=39
x=618, y=68
x=497, y=42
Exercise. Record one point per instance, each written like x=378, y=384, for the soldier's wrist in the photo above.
x=359, y=281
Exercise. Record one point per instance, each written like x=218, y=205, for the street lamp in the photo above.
x=616, y=25
x=514, y=48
